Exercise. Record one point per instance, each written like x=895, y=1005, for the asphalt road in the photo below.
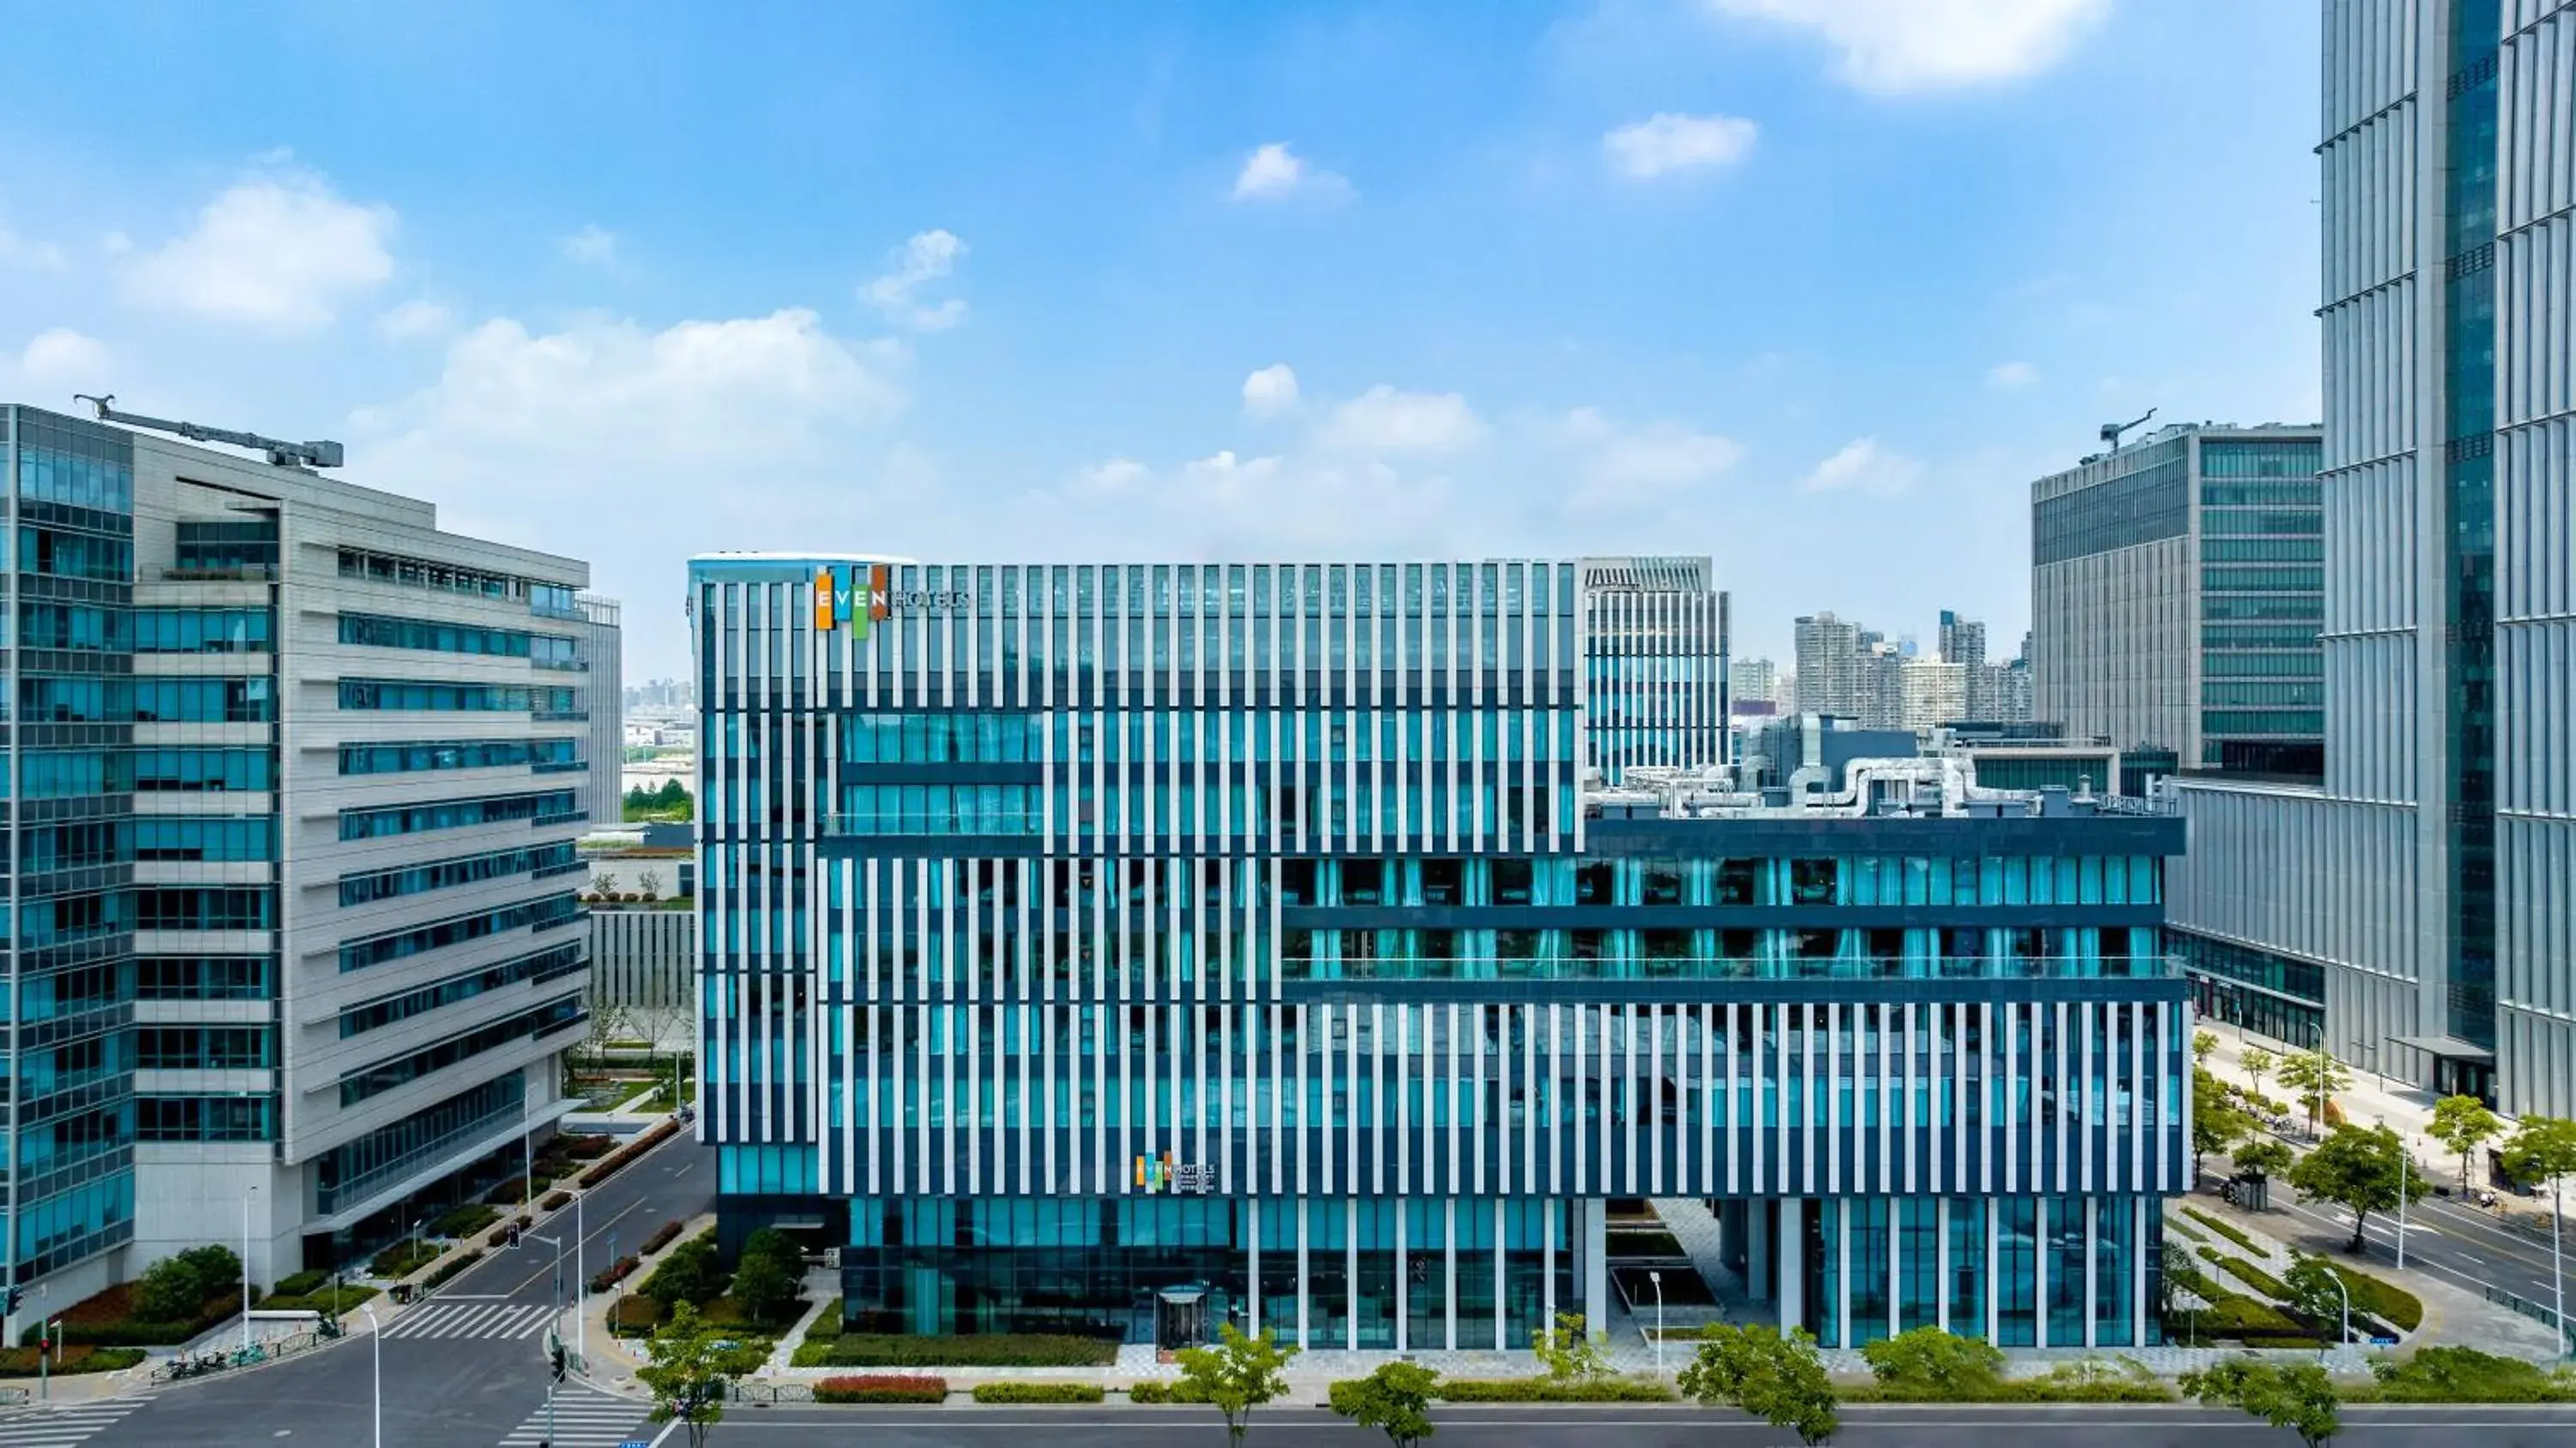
x=464, y=1370
x=1542, y=1426
x=2464, y=1246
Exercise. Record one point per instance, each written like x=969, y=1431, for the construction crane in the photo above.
x=2111, y=430
x=283, y=454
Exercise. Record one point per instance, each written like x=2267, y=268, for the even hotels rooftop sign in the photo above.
x=860, y=594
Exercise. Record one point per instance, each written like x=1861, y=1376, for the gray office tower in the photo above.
x=2414, y=908
x=293, y=779
x=2175, y=592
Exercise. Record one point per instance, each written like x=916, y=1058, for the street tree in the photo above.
x=691, y=1370
x=2202, y=1043
x=2316, y=1293
x=649, y=885
x=2262, y=1157
x=2314, y=1077
x=1237, y=1375
x=768, y=1274
x=1778, y=1379
x=1395, y=1400
x=2297, y=1396
x=603, y=882
x=2257, y=1063
x=1570, y=1349
x=2544, y=1150
x=2463, y=1123
x=2360, y=1169
x=2216, y=1124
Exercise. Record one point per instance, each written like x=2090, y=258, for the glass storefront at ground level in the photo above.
x=1470, y=1272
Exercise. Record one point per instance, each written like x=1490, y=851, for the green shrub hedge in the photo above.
x=889, y=1389
x=2465, y=1375
x=2223, y=1228
x=2249, y=1274
x=312, y=1279
x=404, y=1258
x=327, y=1301
x=2381, y=1299
x=1154, y=1392
x=617, y=1161
x=662, y=1237
x=452, y=1266
x=988, y=1350
x=465, y=1221
x=20, y=1362
x=1038, y=1393
x=2186, y=1229
x=1553, y=1390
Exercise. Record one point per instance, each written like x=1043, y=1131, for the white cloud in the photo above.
x=591, y=246
x=17, y=251
x=1675, y=142
x=1641, y=467
x=281, y=253
x=1862, y=466
x=1225, y=506
x=2013, y=376
x=61, y=355
x=1275, y=173
x=632, y=447
x=1385, y=420
x=930, y=256
x=414, y=319
x=1898, y=46
x=1270, y=391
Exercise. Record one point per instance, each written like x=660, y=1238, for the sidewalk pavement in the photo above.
x=2372, y=1100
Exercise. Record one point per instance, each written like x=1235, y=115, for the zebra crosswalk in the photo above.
x=472, y=1319
x=583, y=1419
x=67, y=1426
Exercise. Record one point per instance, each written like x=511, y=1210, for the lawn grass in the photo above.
x=2226, y=1229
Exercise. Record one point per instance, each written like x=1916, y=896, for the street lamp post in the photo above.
x=245, y=1265
x=581, y=1320
x=2344, y=1293
x=2557, y=1276
x=1657, y=1278
x=554, y=1329
x=378, y=1339
x=2405, y=1155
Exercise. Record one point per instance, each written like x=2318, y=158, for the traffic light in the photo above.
x=514, y=1234
x=556, y=1359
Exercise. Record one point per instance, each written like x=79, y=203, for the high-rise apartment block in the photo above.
x=293, y=780
x=2176, y=586
x=1655, y=663
x=1935, y=693
x=1134, y=949
x=1754, y=681
x=2418, y=907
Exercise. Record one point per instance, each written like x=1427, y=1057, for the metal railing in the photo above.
x=2539, y=1312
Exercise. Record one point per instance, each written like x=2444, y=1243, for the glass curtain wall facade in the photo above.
x=1656, y=664
x=1135, y=949
x=68, y=932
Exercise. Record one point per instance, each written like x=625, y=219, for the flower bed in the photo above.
x=556, y=1201
x=107, y=1320
x=1038, y=1393
x=614, y=1273
x=633, y=1316
x=887, y=1389
x=662, y=1237
x=627, y=1154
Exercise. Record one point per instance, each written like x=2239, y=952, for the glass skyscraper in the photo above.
x=2423, y=889
x=1132, y=949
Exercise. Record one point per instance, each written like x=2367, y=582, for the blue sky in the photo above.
x=1814, y=286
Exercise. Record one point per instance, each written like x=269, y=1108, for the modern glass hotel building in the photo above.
x=1130, y=949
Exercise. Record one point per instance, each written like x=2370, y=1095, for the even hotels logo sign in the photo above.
x=851, y=596
x=858, y=596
